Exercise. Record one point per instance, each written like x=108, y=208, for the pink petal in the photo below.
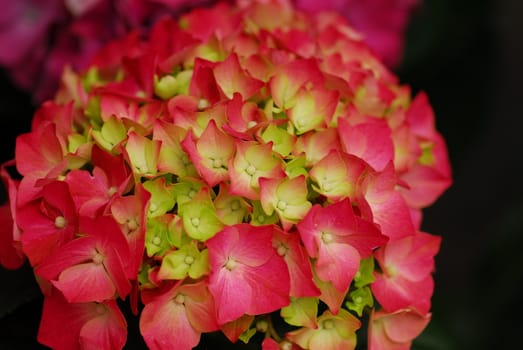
x=57, y=312
x=107, y=331
x=232, y=293
x=369, y=141
x=337, y=263
x=406, y=325
x=232, y=78
x=84, y=283
x=298, y=263
x=164, y=325
x=38, y=151
x=399, y=293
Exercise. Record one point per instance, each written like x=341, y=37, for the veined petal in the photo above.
x=337, y=263
x=85, y=282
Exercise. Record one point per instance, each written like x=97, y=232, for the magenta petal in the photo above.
x=90, y=192
x=370, y=141
x=164, y=325
x=85, y=283
x=308, y=231
x=338, y=263
x=413, y=256
x=107, y=331
x=57, y=312
x=199, y=306
x=298, y=263
x=399, y=293
x=76, y=251
x=233, y=294
x=271, y=286
x=39, y=151
x=249, y=244
x=254, y=246
x=426, y=183
x=247, y=276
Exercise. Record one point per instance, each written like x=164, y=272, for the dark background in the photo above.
x=468, y=56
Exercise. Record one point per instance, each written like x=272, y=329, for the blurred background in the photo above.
x=468, y=56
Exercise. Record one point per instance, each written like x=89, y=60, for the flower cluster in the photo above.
x=241, y=164
x=45, y=36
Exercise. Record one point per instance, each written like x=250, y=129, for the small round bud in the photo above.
x=230, y=264
x=328, y=324
x=217, y=163
x=60, y=222
x=282, y=250
x=327, y=237
x=235, y=205
x=112, y=190
x=132, y=224
x=179, y=299
x=251, y=170
x=262, y=326
x=195, y=221
x=98, y=258
x=282, y=205
x=188, y=260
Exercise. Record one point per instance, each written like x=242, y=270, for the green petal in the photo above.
x=365, y=274
x=301, y=312
x=162, y=196
x=360, y=298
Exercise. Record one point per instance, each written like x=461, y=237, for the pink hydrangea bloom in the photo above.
x=261, y=165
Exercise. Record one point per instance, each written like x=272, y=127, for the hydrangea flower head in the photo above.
x=262, y=167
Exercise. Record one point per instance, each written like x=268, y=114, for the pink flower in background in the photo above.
x=25, y=27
